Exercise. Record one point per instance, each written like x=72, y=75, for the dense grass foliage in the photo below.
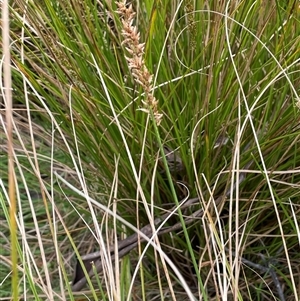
x=124, y=111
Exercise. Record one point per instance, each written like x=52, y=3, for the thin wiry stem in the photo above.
x=9, y=121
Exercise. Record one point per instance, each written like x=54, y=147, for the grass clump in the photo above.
x=121, y=112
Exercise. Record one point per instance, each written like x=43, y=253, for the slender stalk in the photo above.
x=10, y=150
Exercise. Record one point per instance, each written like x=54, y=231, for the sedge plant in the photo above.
x=100, y=91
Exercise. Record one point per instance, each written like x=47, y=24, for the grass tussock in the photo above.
x=178, y=119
